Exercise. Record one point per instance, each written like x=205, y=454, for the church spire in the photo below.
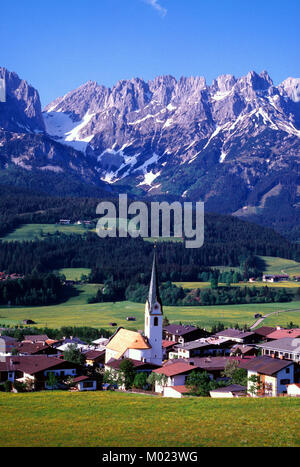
x=153, y=296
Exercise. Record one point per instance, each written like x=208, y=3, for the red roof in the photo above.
x=182, y=389
x=281, y=333
x=80, y=378
x=175, y=369
x=166, y=344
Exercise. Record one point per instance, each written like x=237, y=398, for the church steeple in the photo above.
x=154, y=317
x=153, y=296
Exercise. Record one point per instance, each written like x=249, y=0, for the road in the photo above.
x=260, y=320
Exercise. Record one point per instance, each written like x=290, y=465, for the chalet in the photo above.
x=37, y=348
x=275, y=277
x=233, y=390
x=273, y=375
x=35, y=368
x=281, y=333
x=287, y=348
x=175, y=375
x=95, y=357
x=203, y=347
x=100, y=343
x=7, y=344
x=36, y=338
x=181, y=334
x=65, y=221
x=84, y=383
x=242, y=350
x=239, y=336
x=214, y=366
x=146, y=367
x=263, y=332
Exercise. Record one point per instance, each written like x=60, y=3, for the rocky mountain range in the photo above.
x=234, y=143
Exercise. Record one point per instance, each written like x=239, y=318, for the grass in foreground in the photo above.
x=116, y=419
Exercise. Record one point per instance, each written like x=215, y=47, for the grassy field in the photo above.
x=280, y=266
x=119, y=419
x=204, y=285
x=29, y=232
x=74, y=274
x=77, y=312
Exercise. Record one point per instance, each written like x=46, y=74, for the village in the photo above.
x=171, y=360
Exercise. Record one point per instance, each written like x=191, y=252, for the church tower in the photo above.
x=154, y=317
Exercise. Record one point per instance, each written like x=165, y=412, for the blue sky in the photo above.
x=57, y=45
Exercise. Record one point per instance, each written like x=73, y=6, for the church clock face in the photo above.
x=156, y=307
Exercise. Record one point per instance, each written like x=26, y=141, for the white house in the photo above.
x=274, y=375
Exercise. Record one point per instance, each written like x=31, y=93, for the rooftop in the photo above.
x=264, y=330
x=124, y=339
x=236, y=333
x=265, y=365
x=176, y=368
x=287, y=344
x=231, y=388
x=179, y=329
x=281, y=333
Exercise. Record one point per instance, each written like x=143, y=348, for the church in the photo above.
x=145, y=347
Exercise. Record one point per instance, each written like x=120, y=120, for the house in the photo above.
x=35, y=368
x=65, y=221
x=145, y=367
x=168, y=348
x=145, y=347
x=238, y=335
x=233, y=390
x=204, y=347
x=100, y=343
x=214, y=366
x=84, y=383
x=243, y=350
x=293, y=389
x=7, y=344
x=176, y=391
x=275, y=277
x=175, y=375
x=28, y=321
x=95, y=357
x=280, y=333
x=273, y=374
x=263, y=332
x=287, y=348
x=37, y=348
x=36, y=338
x=181, y=333
x=65, y=344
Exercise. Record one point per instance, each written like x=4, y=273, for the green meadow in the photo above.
x=31, y=232
x=77, y=312
x=130, y=420
x=281, y=266
x=74, y=274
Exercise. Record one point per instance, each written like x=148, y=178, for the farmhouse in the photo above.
x=181, y=334
x=174, y=374
x=236, y=335
x=206, y=346
x=287, y=348
x=263, y=332
x=275, y=277
x=273, y=375
x=35, y=368
x=280, y=333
